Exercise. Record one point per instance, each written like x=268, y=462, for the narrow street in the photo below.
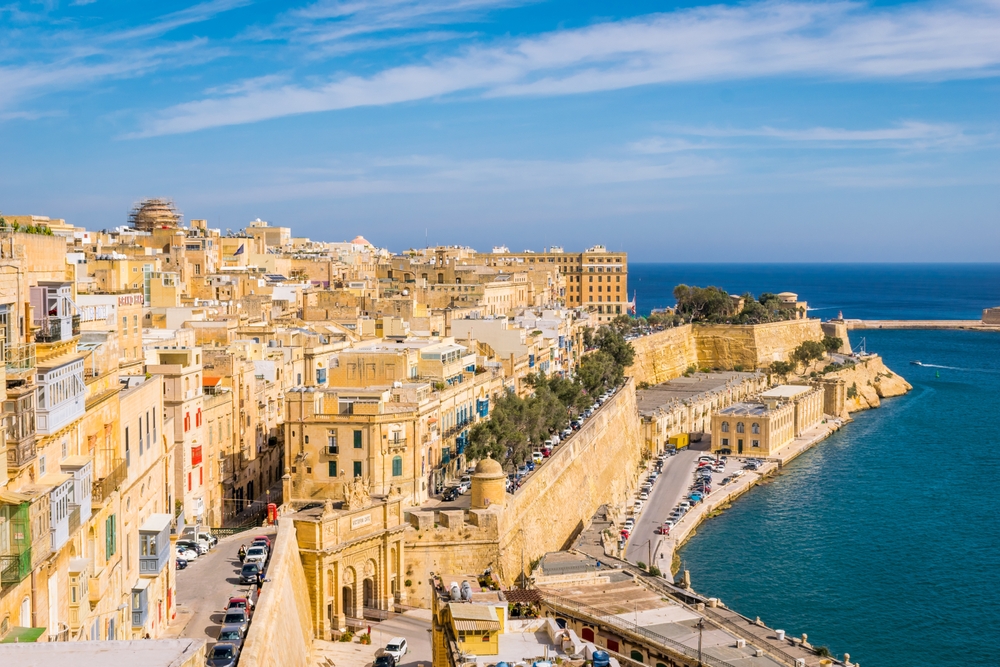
x=668, y=490
x=205, y=586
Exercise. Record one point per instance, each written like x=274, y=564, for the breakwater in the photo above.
x=977, y=325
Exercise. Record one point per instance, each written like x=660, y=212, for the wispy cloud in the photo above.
x=910, y=135
x=38, y=59
x=764, y=39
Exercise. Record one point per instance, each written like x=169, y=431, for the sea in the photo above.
x=883, y=541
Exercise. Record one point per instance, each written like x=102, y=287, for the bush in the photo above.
x=808, y=351
x=832, y=343
x=655, y=571
x=347, y=636
x=781, y=368
x=852, y=391
x=642, y=566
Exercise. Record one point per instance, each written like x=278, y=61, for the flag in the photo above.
x=239, y=251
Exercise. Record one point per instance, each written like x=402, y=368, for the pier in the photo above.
x=921, y=324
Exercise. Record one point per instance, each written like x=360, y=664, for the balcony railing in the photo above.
x=14, y=568
x=397, y=443
x=104, y=487
x=19, y=357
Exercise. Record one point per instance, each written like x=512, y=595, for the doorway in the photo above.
x=739, y=445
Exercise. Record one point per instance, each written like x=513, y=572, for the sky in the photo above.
x=760, y=131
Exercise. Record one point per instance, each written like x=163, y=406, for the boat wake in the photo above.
x=955, y=368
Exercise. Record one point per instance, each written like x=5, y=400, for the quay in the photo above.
x=977, y=325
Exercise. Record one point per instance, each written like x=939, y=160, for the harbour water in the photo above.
x=884, y=540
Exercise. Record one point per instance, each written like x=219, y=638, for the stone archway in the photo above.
x=347, y=594
x=369, y=586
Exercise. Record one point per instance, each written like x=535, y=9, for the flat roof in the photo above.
x=785, y=391
x=156, y=523
x=745, y=410
x=145, y=652
x=694, y=387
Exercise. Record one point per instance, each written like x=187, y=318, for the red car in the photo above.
x=265, y=539
x=240, y=603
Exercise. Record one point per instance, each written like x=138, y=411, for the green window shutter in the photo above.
x=332, y=468
x=357, y=468
x=357, y=440
x=397, y=466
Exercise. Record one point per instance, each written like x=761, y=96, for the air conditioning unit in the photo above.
x=741, y=643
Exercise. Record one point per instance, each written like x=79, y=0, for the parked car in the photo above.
x=464, y=484
x=629, y=523
x=186, y=554
x=237, y=617
x=385, y=660
x=663, y=529
x=450, y=494
x=706, y=458
x=643, y=495
x=200, y=547
x=576, y=424
x=397, y=648
x=249, y=572
x=240, y=602
x=256, y=555
x=522, y=471
x=566, y=433
x=223, y=655
x=637, y=507
x=265, y=539
x=537, y=457
x=189, y=534
x=180, y=563
x=231, y=634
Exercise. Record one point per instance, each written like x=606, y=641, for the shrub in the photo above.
x=655, y=571
x=642, y=566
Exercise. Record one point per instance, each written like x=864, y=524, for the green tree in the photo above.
x=703, y=304
x=832, y=343
x=808, y=351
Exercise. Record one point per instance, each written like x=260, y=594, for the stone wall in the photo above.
x=281, y=632
x=445, y=543
x=727, y=347
x=868, y=382
x=598, y=465
x=663, y=355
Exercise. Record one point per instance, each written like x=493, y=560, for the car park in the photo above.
x=397, y=648
x=231, y=634
x=237, y=617
x=249, y=572
x=223, y=655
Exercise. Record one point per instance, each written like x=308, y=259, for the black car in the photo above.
x=249, y=572
x=450, y=494
x=385, y=660
x=223, y=655
x=180, y=563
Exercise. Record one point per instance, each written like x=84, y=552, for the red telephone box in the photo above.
x=272, y=513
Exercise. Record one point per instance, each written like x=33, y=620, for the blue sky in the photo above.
x=756, y=131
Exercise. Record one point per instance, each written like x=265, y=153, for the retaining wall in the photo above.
x=281, y=632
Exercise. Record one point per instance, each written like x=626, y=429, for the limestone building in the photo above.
x=763, y=426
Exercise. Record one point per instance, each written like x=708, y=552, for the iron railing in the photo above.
x=104, y=487
x=14, y=568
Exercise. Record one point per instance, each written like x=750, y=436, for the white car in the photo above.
x=637, y=507
x=629, y=524
x=643, y=496
x=464, y=484
x=706, y=459
x=187, y=554
x=256, y=555
x=396, y=648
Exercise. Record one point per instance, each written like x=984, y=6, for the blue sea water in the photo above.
x=884, y=540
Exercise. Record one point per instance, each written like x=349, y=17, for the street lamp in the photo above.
x=701, y=627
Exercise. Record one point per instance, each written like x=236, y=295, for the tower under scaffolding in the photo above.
x=150, y=214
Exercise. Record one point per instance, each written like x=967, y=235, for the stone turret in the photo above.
x=489, y=485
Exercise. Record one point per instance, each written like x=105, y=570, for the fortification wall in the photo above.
x=441, y=542
x=868, y=382
x=281, y=632
x=598, y=465
x=663, y=355
x=726, y=346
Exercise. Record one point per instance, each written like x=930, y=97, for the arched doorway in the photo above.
x=588, y=634
x=347, y=601
x=368, y=594
x=25, y=620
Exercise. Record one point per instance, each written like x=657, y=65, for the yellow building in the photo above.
x=763, y=427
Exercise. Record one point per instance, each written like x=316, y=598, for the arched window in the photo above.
x=397, y=466
x=725, y=427
x=755, y=428
x=739, y=427
x=636, y=655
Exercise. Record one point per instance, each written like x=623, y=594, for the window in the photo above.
x=357, y=468
x=135, y=324
x=739, y=427
x=332, y=468
x=41, y=466
x=357, y=440
x=331, y=443
x=397, y=466
x=125, y=325
x=755, y=443
x=110, y=537
x=189, y=482
x=725, y=442
x=755, y=428
x=725, y=427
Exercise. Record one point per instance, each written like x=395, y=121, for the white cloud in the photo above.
x=764, y=39
x=905, y=135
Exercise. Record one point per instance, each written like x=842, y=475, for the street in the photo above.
x=668, y=490
x=205, y=586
